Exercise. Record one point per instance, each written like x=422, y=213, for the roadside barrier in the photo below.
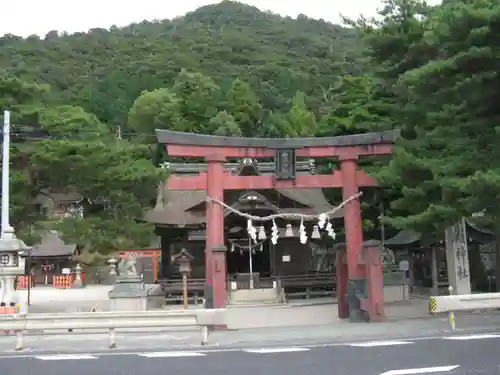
x=112, y=320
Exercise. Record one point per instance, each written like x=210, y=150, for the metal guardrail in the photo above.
x=464, y=302
x=112, y=320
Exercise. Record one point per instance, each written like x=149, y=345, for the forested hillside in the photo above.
x=234, y=70
x=84, y=106
x=105, y=71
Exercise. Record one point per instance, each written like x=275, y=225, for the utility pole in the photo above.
x=11, y=249
x=5, y=175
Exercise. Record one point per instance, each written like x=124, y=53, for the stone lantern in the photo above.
x=12, y=264
x=184, y=259
x=112, y=266
x=77, y=282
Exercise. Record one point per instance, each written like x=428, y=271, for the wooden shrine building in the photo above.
x=49, y=257
x=424, y=252
x=180, y=219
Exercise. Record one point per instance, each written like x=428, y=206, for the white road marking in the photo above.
x=171, y=354
x=372, y=344
x=64, y=357
x=424, y=370
x=276, y=350
x=472, y=337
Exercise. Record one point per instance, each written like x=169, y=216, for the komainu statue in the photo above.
x=126, y=267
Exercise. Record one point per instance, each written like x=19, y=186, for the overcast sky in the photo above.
x=25, y=17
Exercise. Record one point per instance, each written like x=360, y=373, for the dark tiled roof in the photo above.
x=52, y=245
x=410, y=238
x=173, y=206
x=58, y=197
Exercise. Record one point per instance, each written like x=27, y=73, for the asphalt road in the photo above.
x=147, y=340
x=454, y=355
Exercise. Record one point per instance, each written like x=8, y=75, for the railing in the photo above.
x=111, y=321
x=172, y=289
x=58, y=281
x=25, y=281
x=62, y=281
x=309, y=285
x=294, y=286
x=465, y=302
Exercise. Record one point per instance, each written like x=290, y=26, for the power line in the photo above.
x=32, y=133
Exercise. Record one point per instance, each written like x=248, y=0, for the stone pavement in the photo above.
x=302, y=312
x=298, y=313
x=45, y=299
x=262, y=316
x=313, y=312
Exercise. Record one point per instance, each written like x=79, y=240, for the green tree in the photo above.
x=301, y=121
x=104, y=71
x=23, y=100
x=276, y=125
x=116, y=175
x=396, y=45
x=224, y=124
x=65, y=121
x=157, y=109
x=244, y=106
x=197, y=96
x=57, y=147
x=355, y=106
x=459, y=90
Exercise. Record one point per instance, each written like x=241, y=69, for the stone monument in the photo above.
x=457, y=258
x=129, y=292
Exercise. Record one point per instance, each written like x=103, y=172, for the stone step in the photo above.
x=253, y=303
x=254, y=296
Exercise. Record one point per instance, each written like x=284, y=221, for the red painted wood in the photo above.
x=140, y=253
x=263, y=153
x=342, y=278
x=175, y=182
x=352, y=219
x=375, y=303
x=215, y=273
x=232, y=182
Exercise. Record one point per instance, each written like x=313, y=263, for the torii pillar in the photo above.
x=359, y=274
x=215, y=249
x=354, y=235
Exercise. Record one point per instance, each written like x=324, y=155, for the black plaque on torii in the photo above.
x=285, y=164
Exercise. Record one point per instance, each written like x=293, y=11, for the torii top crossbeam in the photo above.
x=344, y=147
x=199, y=145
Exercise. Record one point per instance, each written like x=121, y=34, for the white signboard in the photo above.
x=457, y=258
x=404, y=265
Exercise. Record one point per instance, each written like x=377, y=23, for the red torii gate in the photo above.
x=361, y=272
